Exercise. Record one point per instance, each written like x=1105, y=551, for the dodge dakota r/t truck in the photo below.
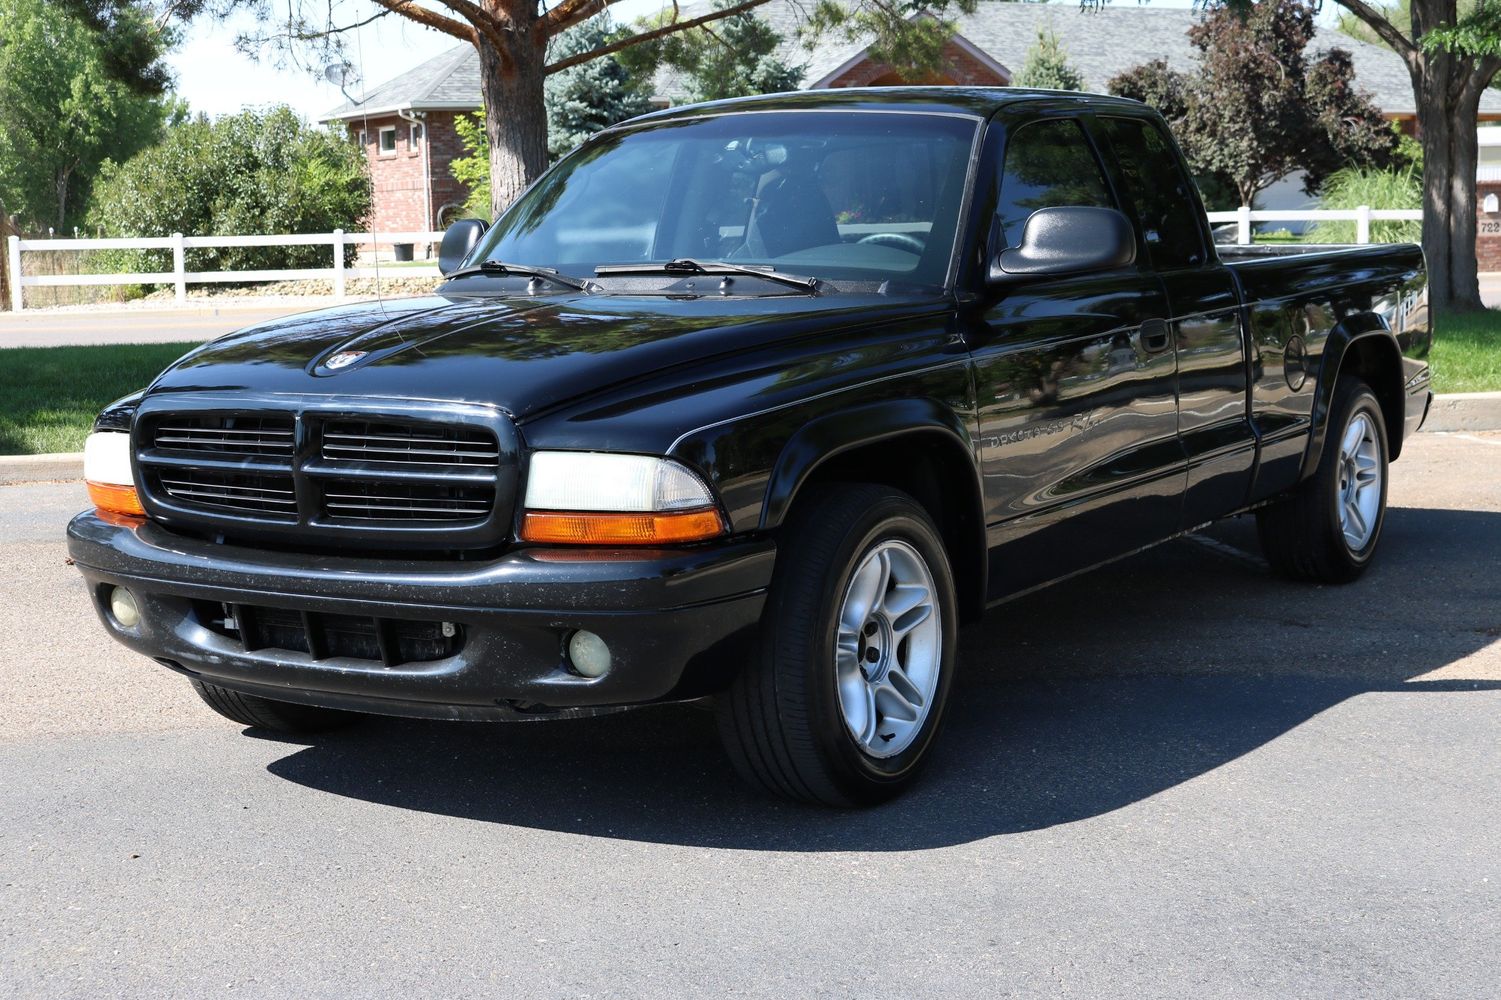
x=755, y=402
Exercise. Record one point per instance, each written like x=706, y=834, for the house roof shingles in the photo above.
x=1100, y=44
x=450, y=80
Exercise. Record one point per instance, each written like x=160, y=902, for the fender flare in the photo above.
x=825, y=438
x=1362, y=328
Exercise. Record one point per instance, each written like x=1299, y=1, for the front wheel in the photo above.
x=1327, y=530
x=842, y=701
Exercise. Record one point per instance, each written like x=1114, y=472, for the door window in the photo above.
x=1049, y=164
x=1159, y=191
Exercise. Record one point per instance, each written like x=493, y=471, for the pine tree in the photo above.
x=1047, y=67
x=591, y=96
x=734, y=57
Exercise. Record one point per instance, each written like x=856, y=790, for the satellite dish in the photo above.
x=342, y=75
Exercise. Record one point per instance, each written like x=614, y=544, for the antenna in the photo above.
x=352, y=75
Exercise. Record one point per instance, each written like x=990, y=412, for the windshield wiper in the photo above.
x=525, y=271
x=690, y=265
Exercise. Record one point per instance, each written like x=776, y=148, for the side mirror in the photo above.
x=458, y=240
x=1071, y=240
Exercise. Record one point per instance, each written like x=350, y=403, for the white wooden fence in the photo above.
x=180, y=277
x=1363, y=216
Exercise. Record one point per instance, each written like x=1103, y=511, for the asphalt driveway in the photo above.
x=1177, y=776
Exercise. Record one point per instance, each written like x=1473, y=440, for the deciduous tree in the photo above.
x=259, y=171
x=1452, y=51
x=69, y=97
x=1259, y=106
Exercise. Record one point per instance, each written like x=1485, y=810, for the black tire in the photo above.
x=1301, y=535
x=780, y=721
x=264, y=713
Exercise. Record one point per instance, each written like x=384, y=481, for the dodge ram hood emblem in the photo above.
x=343, y=359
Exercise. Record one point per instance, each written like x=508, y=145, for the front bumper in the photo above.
x=677, y=621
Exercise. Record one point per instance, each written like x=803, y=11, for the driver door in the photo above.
x=1075, y=382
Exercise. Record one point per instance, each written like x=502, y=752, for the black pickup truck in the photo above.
x=756, y=402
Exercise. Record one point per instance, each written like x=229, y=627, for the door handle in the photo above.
x=1156, y=336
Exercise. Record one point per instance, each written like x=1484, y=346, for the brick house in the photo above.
x=1488, y=201
x=406, y=128
x=406, y=124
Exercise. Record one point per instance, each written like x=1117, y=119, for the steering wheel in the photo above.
x=899, y=241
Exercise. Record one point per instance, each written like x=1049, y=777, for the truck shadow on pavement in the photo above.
x=1073, y=702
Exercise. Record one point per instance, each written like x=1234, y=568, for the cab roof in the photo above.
x=979, y=102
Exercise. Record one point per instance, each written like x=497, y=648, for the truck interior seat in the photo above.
x=791, y=213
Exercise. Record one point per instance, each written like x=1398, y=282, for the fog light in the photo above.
x=122, y=605
x=588, y=654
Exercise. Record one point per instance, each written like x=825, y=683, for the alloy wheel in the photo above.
x=1359, y=492
x=889, y=648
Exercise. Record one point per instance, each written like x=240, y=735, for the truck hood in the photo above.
x=521, y=353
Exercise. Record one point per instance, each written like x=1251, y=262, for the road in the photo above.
x=63, y=327
x=1176, y=776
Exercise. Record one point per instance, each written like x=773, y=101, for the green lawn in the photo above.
x=1467, y=353
x=49, y=396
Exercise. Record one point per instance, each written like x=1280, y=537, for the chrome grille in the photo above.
x=331, y=476
x=225, y=435
x=421, y=501
x=409, y=444
x=242, y=493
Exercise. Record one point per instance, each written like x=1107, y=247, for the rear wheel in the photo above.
x=1328, y=529
x=845, y=695
x=264, y=713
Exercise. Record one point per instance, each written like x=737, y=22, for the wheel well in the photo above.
x=1378, y=363
x=939, y=473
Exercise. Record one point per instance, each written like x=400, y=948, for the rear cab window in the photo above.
x=1159, y=191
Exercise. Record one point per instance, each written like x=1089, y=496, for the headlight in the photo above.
x=106, y=471
x=592, y=498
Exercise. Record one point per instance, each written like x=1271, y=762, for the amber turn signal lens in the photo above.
x=116, y=499
x=597, y=528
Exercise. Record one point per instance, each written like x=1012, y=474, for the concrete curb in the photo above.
x=1460, y=411
x=1465, y=411
x=40, y=468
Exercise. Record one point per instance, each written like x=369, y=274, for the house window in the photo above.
x=364, y=139
x=388, y=140
x=414, y=140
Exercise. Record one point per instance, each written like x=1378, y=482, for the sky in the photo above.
x=214, y=78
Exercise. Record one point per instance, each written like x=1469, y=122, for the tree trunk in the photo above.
x=515, y=115
x=64, y=177
x=1448, y=86
x=5, y=275
x=1448, y=96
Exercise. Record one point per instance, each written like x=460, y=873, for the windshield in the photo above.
x=835, y=195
